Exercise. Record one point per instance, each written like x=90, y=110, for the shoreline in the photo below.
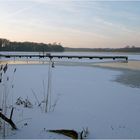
x=130, y=72
x=129, y=76
x=130, y=65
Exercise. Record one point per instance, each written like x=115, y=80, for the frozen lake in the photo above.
x=86, y=97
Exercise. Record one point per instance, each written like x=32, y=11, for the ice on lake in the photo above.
x=87, y=97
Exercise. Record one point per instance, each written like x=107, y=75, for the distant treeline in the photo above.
x=6, y=45
x=125, y=49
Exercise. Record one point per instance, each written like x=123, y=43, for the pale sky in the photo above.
x=73, y=23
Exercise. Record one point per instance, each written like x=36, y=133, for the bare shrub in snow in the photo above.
x=85, y=132
x=26, y=103
x=6, y=84
x=19, y=101
x=55, y=103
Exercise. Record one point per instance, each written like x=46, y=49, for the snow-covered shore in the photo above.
x=131, y=65
x=87, y=97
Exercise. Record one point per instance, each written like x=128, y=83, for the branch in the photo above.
x=8, y=120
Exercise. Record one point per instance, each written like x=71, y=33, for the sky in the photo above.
x=73, y=23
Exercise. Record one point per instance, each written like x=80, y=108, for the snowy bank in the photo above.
x=131, y=65
x=86, y=97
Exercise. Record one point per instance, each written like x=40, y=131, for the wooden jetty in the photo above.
x=64, y=56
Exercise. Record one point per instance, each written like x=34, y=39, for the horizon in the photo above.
x=74, y=24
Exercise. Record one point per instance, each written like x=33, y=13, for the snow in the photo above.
x=86, y=97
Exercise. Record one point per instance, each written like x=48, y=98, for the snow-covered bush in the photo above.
x=19, y=101
x=26, y=103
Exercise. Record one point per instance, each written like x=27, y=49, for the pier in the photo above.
x=48, y=55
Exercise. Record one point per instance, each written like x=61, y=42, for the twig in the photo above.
x=8, y=120
x=11, y=113
x=35, y=97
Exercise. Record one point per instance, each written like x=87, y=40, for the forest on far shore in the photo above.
x=125, y=49
x=7, y=45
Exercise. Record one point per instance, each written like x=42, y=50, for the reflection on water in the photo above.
x=12, y=62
